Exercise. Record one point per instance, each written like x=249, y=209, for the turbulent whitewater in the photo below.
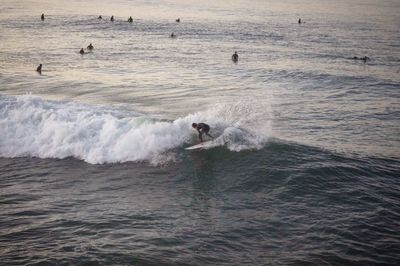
x=31, y=126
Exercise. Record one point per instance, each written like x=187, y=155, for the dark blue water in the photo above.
x=284, y=204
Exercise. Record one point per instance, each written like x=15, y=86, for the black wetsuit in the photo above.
x=235, y=57
x=203, y=128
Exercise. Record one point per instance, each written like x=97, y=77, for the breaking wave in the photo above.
x=35, y=127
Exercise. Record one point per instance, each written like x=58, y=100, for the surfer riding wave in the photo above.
x=202, y=128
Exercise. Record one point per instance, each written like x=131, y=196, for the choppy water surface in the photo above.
x=93, y=166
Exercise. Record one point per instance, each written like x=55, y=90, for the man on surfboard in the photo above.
x=202, y=128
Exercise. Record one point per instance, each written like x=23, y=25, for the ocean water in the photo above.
x=93, y=169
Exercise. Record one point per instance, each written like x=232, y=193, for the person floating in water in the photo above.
x=173, y=35
x=202, y=128
x=130, y=19
x=365, y=58
x=112, y=18
x=39, y=69
x=178, y=20
x=100, y=17
x=42, y=17
x=299, y=20
x=82, y=51
x=235, y=57
x=90, y=46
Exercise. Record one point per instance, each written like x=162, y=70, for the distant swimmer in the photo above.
x=299, y=20
x=112, y=18
x=178, y=20
x=202, y=128
x=39, y=69
x=364, y=58
x=235, y=57
x=82, y=51
x=100, y=17
x=42, y=17
x=130, y=19
x=173, y=35
x=90, y=46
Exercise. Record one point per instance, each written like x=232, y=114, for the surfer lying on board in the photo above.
x=202, y=128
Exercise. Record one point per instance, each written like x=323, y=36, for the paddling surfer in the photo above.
x=202, y=128
x=365, y=58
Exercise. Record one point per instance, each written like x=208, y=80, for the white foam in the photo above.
x=32, y=126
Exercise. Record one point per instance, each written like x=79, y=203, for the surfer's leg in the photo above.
x=206, y=132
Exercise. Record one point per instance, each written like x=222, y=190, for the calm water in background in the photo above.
x=93, y=166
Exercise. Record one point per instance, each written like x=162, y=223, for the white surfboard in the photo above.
x=206, y=144
x=199, y=146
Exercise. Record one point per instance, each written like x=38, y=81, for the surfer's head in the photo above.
x=194, y=125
